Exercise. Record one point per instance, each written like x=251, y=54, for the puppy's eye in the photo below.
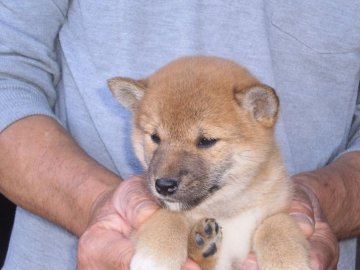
x=155, y=138
x=206, y=142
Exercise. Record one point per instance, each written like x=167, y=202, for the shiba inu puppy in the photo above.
x=204, y=130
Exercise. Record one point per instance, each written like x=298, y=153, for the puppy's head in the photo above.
x=200, y=123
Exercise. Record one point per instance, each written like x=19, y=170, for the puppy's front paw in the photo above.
x=161, y=242
x=280, y=244
x=204, y=242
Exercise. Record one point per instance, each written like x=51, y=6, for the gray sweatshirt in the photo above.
x=56, y=55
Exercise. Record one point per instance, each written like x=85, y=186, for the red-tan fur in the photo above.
x=240, y=180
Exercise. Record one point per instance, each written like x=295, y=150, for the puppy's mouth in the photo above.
x=184, y=204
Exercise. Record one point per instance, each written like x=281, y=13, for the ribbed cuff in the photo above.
x=17, y=102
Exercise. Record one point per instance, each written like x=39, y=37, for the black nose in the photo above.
x=166, y=186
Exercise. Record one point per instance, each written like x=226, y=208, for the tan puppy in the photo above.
x=203, y=130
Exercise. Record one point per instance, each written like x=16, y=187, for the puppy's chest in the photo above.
x=237, y=235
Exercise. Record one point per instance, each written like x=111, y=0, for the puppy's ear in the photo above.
x=261, y=101
x=128, y=92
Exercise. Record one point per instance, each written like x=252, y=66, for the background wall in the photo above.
x=7, y=212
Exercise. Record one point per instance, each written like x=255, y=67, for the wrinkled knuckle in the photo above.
x=87, y=250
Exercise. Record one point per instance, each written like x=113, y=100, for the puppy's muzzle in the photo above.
x=166, y=186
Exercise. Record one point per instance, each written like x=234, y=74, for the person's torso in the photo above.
x=292, y=47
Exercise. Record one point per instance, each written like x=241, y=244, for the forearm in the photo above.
x=337, y=187
x=43, y=170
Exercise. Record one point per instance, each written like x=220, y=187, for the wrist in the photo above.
x=94, y=197
x=101, y=206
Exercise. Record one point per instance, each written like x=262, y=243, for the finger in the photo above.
x=324, y=247
x=116, y=223
x=190, y=265
x=304, y=222
x=133, y=203
x=100, y=248
x=250, y=263
x=324, y=253
x=301, y=208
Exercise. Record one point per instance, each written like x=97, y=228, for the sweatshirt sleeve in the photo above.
x=29, y=69
x=354, y=135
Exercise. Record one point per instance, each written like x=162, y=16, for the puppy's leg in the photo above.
x=204, y=243
x=161, y=243
x=279, y=244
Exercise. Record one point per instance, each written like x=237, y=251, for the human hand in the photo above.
x=305, y=208
x=107, y=244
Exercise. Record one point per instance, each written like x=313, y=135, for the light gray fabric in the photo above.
x=55, y=56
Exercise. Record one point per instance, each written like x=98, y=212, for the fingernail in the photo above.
x=305, y=223
x=143, y=211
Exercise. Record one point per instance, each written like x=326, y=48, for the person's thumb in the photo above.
x=305, y=223
x=301, y=209
x=132, y=201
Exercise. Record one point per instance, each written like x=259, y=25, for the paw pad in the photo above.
x=207, y=236
x=210, y=251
